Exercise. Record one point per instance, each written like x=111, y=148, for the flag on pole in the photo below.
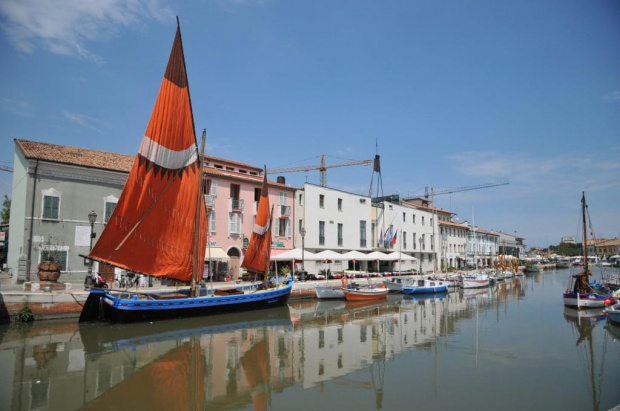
x=381, y=237
x=388, y=236
x=394, y=238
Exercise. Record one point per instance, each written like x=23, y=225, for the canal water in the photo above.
x=511, y=347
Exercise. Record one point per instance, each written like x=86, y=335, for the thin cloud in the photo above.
x=83, y=121
x=20, y=108
x=613, y=96
x=65, y=26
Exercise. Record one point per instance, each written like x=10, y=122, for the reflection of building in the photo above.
x=241, y=362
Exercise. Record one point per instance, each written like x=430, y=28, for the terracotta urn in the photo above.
x=49, y=271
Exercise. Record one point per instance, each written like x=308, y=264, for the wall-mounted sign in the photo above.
x=277, y=244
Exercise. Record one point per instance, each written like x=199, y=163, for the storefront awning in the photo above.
x=216, y=254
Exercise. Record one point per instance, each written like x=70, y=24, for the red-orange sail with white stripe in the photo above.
x=151, y=230
x=257, y=255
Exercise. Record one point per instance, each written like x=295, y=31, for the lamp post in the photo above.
x=421, y=244
x=303, y=246
x=92, y=217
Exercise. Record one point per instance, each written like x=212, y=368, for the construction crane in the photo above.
x=322, y=168
x=5, y=168
x=434, y=193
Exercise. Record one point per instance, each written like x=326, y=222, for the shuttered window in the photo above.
x=51, y=207
x=109, y=208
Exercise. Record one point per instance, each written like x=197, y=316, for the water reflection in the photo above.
x=242, y=361
x=583, y=323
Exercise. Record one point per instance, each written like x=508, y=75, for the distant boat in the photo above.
x=583, y=294
x=426, y=287
x=159, y=225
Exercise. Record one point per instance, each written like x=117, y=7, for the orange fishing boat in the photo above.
x=353, y=293
x=159, y=225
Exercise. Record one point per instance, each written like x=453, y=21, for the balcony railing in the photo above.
x=210, y=200
x=235, y=205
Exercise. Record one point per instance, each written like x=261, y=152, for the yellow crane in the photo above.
x=321, y=167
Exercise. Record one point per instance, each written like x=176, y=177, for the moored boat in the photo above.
x=396, y=284
x=613, y=313
x=325, y=292
x=159, y=225
x=583, y=294
x=364, y=293
x=475, y=280
x=426, y=287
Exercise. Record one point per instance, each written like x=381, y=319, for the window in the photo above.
x=321, y=232
x=414, y=242
x=432, y=242
x=340, y=204
x=283, y=227
x=404, y=217
x=362, y=233
x=51, y=204
x=321, y=201
x=422, y=220
x=340, y=234
x=211, y=217
x=234, y=223
x=404, y=240
x=422, y=241
x=414, y=219
x=109, y=205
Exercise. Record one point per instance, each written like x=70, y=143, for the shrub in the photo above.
x=25, y=314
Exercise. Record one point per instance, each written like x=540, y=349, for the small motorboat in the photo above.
x=357, y=293
x=613, y=313
x=426, y=287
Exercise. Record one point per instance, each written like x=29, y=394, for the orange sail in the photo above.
x=151, y=230
x=256, y=257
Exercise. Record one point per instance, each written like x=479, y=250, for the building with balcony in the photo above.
x=56, y=187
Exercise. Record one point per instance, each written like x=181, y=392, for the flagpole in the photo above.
x=400, y=252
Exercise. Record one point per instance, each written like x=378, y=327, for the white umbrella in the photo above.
x=356, y=255
x=329, y=255
x=397, y=255
x=295, y=254
x=378, y=255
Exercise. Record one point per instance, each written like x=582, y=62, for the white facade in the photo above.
x=453, y=244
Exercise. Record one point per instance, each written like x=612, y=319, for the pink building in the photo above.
x=232, y=191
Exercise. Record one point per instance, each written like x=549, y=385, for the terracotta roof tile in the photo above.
x=121, y=162
x=75, y=156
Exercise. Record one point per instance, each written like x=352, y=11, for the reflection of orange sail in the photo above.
x=174, y=382
x=151, y=228
x=256, y=257
x=255, y=364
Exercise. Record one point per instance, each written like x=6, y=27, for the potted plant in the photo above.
x=50, y=266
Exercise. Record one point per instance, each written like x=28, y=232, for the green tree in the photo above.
x=6, y=210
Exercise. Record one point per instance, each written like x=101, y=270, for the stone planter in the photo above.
x=49, y=271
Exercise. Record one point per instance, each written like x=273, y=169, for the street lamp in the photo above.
x=92, y=217
x=303, y=246
x=421, y=244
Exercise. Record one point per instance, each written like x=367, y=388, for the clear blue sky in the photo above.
x=455, y=93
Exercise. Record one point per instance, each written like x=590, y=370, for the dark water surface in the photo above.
x=510, y=347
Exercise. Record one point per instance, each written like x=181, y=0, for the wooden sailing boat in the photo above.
x=583, y=295
x=158, y=227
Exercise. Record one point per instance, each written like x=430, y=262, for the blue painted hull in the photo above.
x=113, y=306
x=425, y=290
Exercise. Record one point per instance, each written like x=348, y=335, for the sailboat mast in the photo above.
x=197, y=225
x=585, y=233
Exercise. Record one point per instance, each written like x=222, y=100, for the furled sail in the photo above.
x=151, y=230
x=257, y=255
